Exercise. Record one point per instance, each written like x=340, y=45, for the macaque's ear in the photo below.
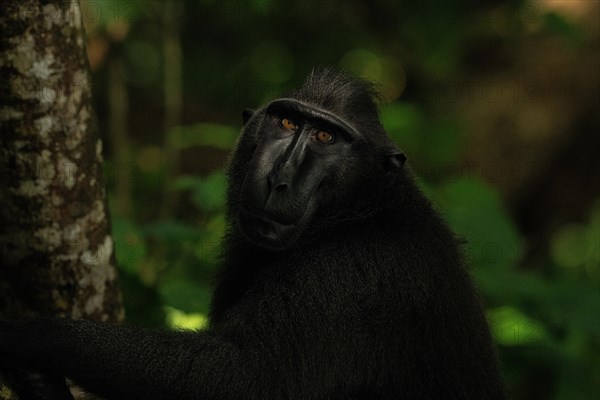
x=247, y=114
x=395, y=160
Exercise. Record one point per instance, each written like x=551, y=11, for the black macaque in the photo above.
x=339, y=280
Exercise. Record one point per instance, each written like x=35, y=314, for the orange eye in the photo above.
x=324, y=137
x=287, y=124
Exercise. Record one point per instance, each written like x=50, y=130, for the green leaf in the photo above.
x=577, y=245
x=561, y=304
x=186, y=295
x=559, y=25
x=403, y=122
x=442, y=142
x=130, y=247
x=511, y=327
x=209, y=193
x=203, y=134
x=570, y=246
x=177, y=319
x=173, y=230
x=208, y=249
x=186, y=182
x=476, y=212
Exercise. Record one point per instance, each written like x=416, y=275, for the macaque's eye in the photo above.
x=287, y=124
x=324, y=137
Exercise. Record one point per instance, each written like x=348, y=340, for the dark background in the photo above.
x=495, y=104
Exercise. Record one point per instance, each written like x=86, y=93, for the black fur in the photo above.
x=372, y=301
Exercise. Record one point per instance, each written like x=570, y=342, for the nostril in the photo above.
x=280, y=187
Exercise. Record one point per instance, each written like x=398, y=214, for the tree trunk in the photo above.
x=55, y=245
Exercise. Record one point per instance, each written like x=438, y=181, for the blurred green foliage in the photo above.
x=545, y=317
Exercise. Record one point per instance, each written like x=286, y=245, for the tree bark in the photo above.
x=56, y=251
